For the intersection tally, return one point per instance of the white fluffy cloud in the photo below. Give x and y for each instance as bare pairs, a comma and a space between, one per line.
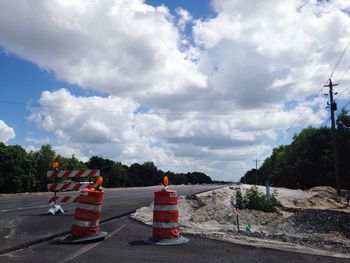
113, 46
6, 133
184, 18
212, 106
114, 127
276, 50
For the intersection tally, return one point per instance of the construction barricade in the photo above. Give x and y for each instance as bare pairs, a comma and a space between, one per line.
67, 186
165, 219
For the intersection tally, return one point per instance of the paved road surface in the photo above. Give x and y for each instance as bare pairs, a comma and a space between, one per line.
124, 243
24, 220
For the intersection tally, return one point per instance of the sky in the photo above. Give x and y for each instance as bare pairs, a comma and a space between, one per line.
191, 85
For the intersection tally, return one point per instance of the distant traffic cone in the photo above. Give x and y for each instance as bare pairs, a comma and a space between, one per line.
165, 216
87, 217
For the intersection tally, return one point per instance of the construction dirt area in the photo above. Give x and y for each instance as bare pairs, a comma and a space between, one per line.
312, 221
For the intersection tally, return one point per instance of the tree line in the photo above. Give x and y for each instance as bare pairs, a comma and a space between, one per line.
22, 171
308, 160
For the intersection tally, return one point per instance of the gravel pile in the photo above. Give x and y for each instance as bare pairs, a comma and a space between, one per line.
315, 221
315, 241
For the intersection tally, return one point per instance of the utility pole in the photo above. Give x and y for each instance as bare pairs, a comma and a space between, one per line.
333, 107
256, 170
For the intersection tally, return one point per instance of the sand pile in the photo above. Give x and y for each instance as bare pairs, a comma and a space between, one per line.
325, 197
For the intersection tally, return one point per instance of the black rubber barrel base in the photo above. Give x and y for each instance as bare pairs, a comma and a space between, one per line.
86, 239
167, 242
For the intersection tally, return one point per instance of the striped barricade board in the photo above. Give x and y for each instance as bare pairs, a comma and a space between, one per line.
72, 173
68, 185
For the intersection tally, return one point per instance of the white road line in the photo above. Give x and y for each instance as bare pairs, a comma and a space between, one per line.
91, 246
22, 208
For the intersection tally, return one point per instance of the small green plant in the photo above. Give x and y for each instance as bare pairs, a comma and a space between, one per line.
256, 200
200, 203
272, 203
239, 198
191, 197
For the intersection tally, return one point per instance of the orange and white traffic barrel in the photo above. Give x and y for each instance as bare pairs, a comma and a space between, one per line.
165, 219
87, 217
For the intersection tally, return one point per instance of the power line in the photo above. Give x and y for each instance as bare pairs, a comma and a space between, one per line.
345, 71
315, 96
340, 58
325, 122
36, 105
306, 107
56, 107
344, 107
341, 92
299, 116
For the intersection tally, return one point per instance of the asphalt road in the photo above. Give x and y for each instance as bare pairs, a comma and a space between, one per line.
125, 243
24, 220
28, 234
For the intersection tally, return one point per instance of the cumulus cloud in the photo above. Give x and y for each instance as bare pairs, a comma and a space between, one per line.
276, 50
212, 105
114, 127
111, 46
6, 133
39, 141
184, 17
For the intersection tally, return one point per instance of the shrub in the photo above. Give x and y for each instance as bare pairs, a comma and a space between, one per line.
239, 198
200, 202
256, 200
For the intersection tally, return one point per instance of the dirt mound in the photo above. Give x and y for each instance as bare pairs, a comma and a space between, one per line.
325, 196
328, 189
225, 215
320, 197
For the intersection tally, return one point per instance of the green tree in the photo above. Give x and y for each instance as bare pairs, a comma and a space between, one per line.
17, 170
44, 158
308, 160
343, 140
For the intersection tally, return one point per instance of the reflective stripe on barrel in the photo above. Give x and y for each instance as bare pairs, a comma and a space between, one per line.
164, 207
86, 223
89, 207
165, 225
